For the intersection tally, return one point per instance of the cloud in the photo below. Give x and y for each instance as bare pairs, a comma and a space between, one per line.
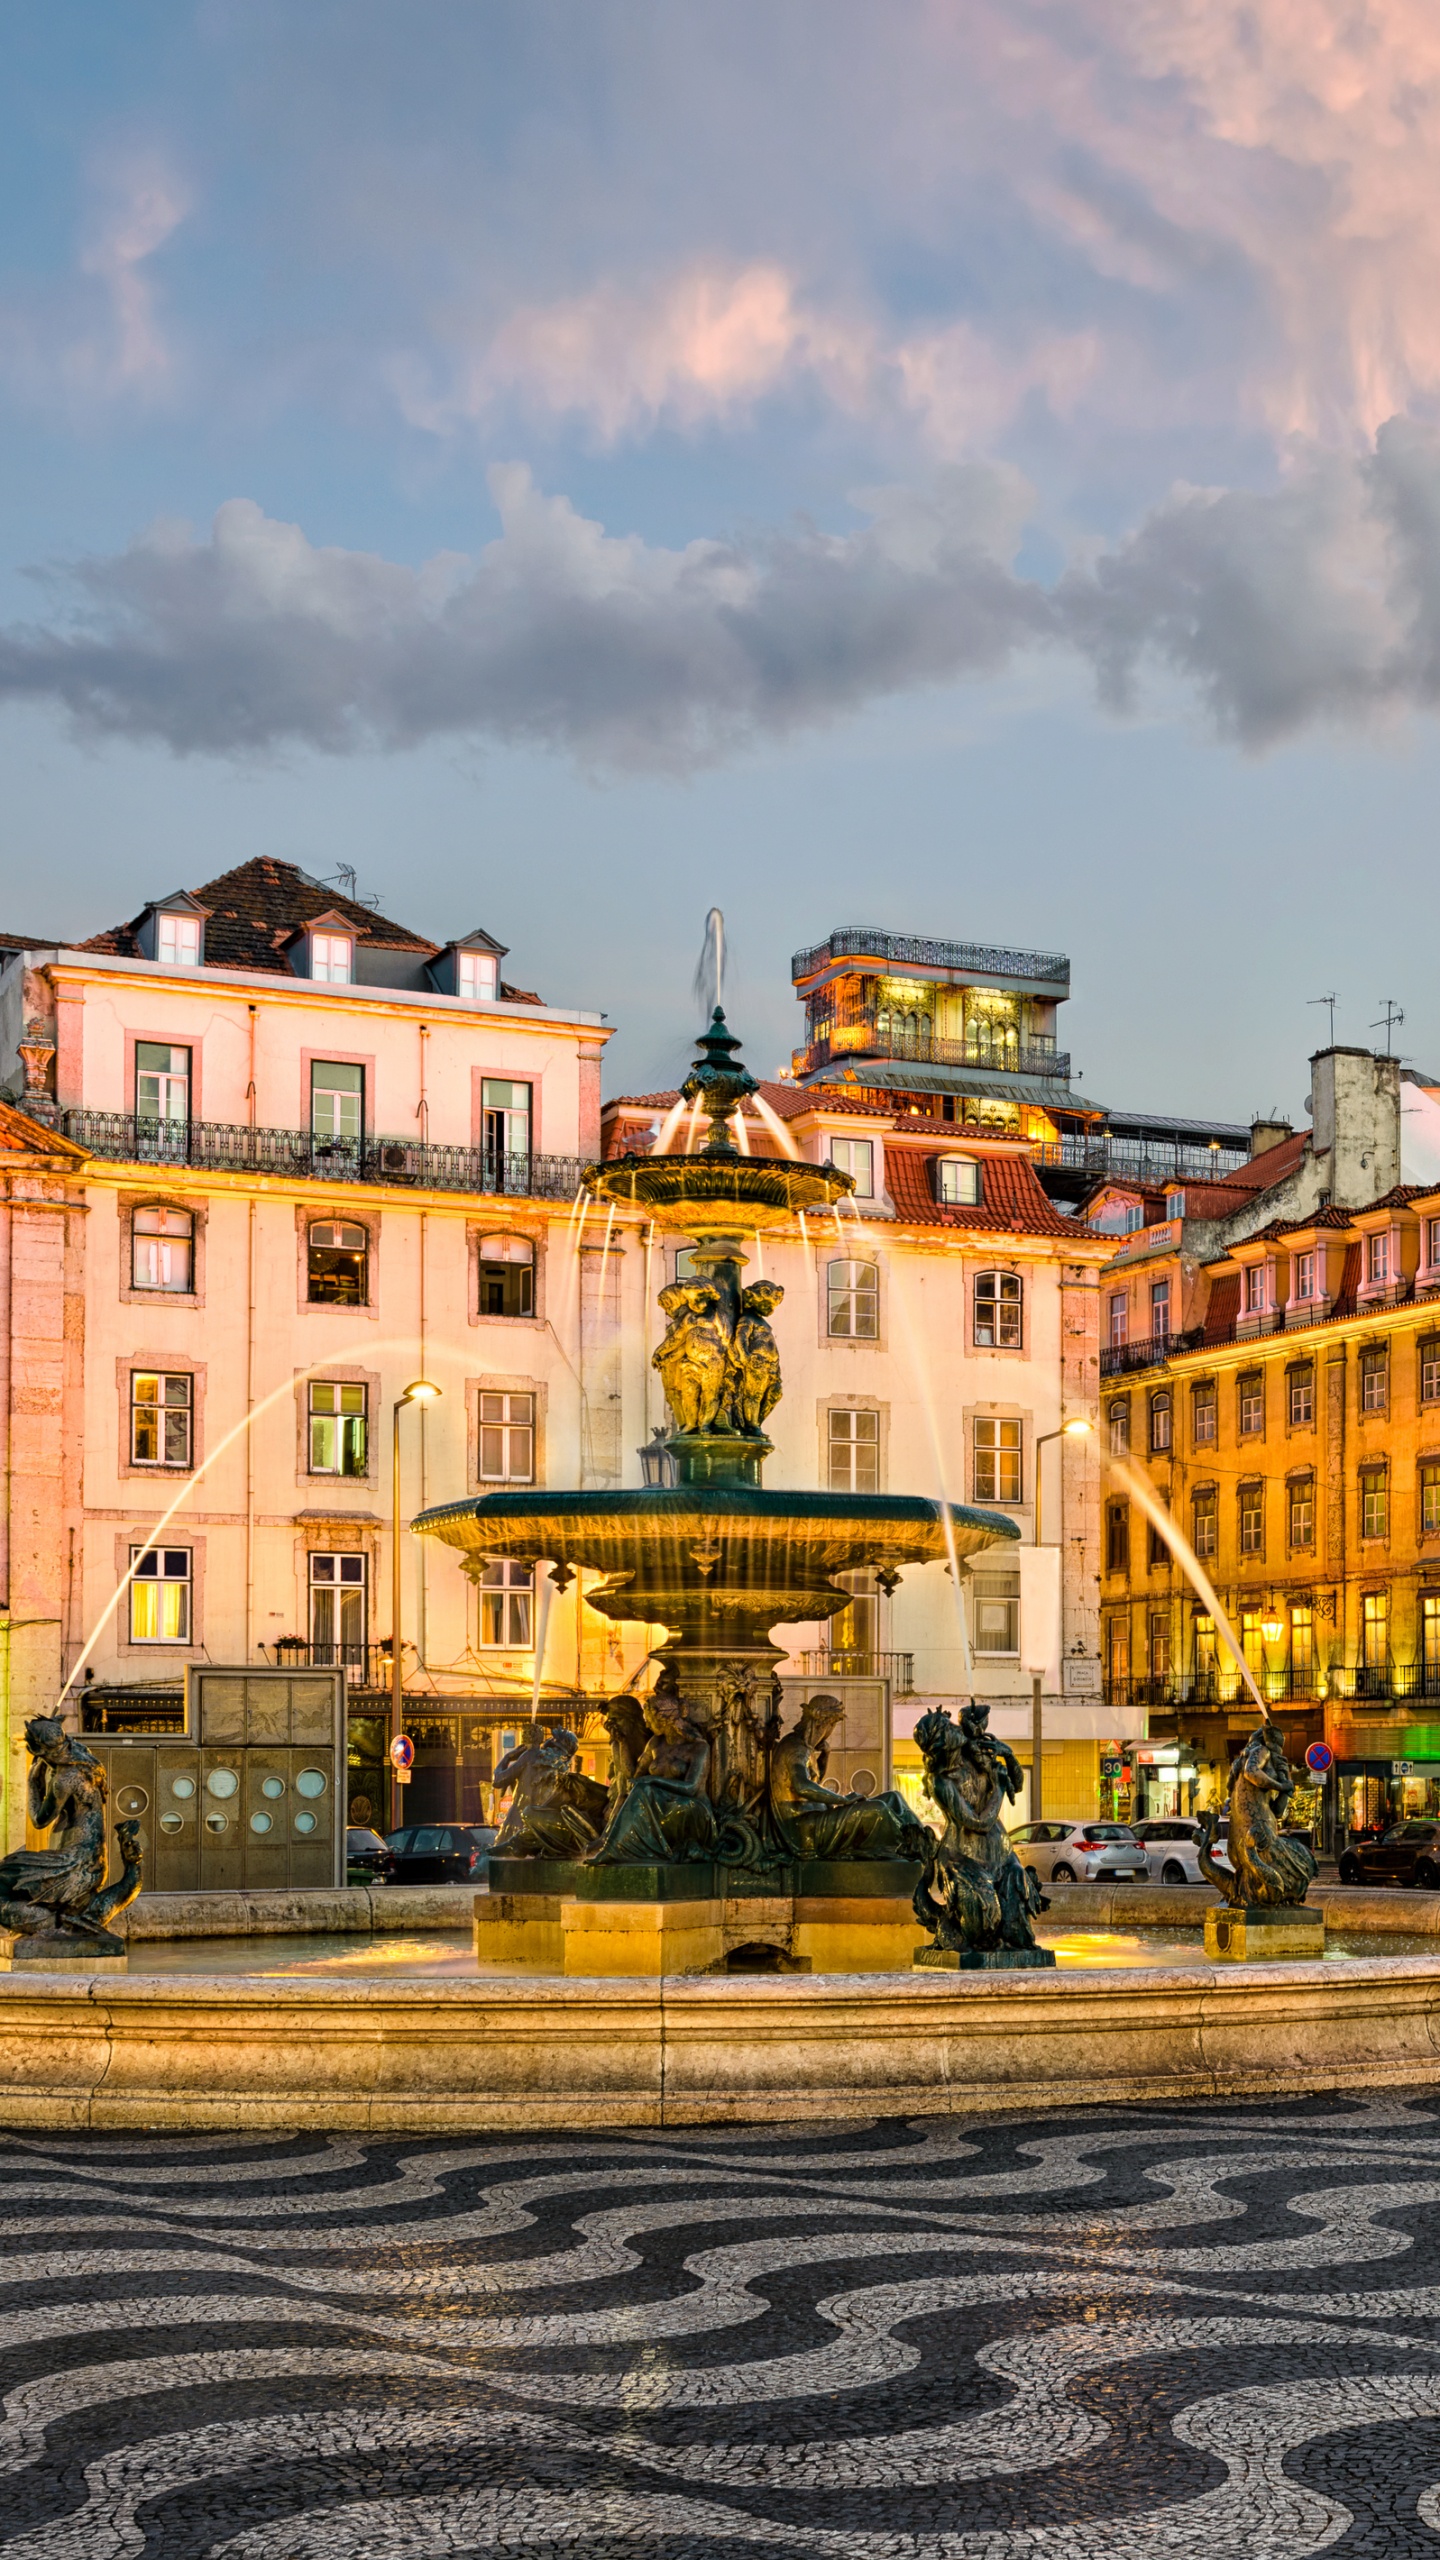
98, 335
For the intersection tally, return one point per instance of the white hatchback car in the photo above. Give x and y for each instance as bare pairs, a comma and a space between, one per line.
1170, 1843
1080, 1852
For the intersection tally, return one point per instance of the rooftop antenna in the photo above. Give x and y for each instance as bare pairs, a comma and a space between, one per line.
1331, 1000
1393, 1015
709, 982
344, 878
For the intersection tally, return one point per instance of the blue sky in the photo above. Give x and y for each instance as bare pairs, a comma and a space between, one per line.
970, 468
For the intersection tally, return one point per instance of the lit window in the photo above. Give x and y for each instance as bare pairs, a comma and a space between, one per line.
505, 1111
160, 1595
338, 1432
337, 1102
1159, 1309
338, 1264
853, 1451
1120, 1427
1251, 1400
1300, 1391
856, 1156
1301, 1509
507, 1439
1377, 1257
1302, 1639
998, 1460
162, 1249
1252, 1519
998, 1310
1374, 1503
507, 1592
1430, 1630
1429, 1497
1375, 1629
996, 1612
339, 1617
160, 1418
1304, 1276
477, 975
1207, 1521
1430, 1370
177, 940
1204, 1414
1374, 1380
1119, 1312
1160, 1419
1254, 1288
853, 1300
330, 959
957, 1182
507, 1276
162, 1083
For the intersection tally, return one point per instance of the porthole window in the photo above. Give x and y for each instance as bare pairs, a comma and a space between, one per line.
311, 1782
261, 1821
272, 1786
305, 1821
217, 1821
222, 1783
132, 1800
182, 1787
172, 1821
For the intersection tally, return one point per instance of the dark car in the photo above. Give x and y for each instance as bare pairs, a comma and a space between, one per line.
441, 1852
367, 1859
1408, 1853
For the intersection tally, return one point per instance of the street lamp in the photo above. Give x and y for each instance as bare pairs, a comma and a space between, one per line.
419, 1391
1078, 1429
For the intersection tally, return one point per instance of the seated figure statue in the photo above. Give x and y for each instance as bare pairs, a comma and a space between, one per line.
816, 1821
555, 1811
666, 1813
975, 1894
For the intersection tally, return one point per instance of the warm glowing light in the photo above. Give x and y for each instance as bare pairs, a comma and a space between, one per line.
1079, 1429
420, 1391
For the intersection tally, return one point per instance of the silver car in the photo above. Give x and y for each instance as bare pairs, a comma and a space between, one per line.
1080, 1852
1171, 1843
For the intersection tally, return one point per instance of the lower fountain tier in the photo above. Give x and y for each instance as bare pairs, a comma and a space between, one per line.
718, 1567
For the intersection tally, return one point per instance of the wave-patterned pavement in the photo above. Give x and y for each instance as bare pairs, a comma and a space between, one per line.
1203, 2334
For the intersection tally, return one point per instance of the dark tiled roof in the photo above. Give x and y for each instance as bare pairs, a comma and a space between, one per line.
1260, 1172
787, 1101
1223, 1307
1322, 1218
254, 909
1400, 1198
1012, 1201
32, 941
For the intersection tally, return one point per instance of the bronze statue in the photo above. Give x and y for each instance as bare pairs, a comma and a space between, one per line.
755, 1360
818, 1822
629, 1733
694, 1358
555, 1812
975, 1896
1267, 1870
666, 1813
59, 1895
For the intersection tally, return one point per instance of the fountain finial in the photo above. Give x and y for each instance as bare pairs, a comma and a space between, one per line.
718, 1081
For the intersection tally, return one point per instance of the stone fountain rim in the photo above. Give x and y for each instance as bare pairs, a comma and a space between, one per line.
706, 1502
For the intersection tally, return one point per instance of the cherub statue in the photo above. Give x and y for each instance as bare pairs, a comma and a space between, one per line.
556, 1812
694, 1358
755, 1359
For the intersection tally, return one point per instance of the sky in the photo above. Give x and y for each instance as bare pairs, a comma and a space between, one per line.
970, 468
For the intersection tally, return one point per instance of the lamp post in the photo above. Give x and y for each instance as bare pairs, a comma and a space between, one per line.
1078, 1429
419, 1391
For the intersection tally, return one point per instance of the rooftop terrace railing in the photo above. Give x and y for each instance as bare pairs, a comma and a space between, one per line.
223, 1147
857, 942
1146, 1160
870, 1036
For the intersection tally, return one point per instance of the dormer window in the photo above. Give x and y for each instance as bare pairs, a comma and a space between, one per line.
177, 941
1377, 1259
1254, 1288
332, 959
957, 1182
477, 975
856, 1156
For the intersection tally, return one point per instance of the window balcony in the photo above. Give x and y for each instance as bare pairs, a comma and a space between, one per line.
223, 1147
876, 1035
366, 1666
1152, 1351
897, 1668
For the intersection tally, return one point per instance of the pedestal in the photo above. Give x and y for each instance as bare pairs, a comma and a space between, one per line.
867, 1933
983, 1960
677, 1936
1239, 1933
56, 1951
519, 1929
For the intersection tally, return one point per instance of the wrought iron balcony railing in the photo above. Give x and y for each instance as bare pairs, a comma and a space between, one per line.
1118, 1359
225, 1147
366, 1666
897, 1668
872, 1036
1149, 1160
908, 950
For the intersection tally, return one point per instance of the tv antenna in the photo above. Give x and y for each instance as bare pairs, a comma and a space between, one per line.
1393, 1015
1331, 1000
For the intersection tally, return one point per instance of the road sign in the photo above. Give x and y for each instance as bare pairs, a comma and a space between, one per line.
1111, 1768
1402, 1768
402, 1751
1319, 1757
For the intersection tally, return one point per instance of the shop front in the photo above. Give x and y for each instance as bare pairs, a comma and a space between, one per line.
458, 1745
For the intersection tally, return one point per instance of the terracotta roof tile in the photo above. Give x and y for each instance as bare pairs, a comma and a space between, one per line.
1012, 1201
1260, 1172
255, 908
1223, 1307
787, 1101
1322, 1218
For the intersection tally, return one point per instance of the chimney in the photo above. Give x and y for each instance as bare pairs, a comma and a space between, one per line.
1355, 1116
1265, 1134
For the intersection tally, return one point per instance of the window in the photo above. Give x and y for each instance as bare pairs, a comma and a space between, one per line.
177, 941
1120, 1427
1174, 1204
1377, 1258
998, 1307
507, 1438
331, 959
1302, 1639
1117, 1654
996, 1612
1206, 1536
1300, 1395
1430, 1370
1303, 1276
477, 975
507, 1276
1134, 1217
161, 1405
854, 1630
1160, 1419
853, 1451
507, 1592
1429, 1489
853, 1299
1300, 1511
160, 1595
339, 1435
1203, 1414
1250, 1398
1158, 1550
1119, 1319
339, 1617
162, 1083
1252, 1640
1159, 1309
1254, 1283
957, 1182
162, 1249
1374, 1502
1204, 1652
1374, 1380
1159, 1647
1117, 1537
337, 1103
338, 1264
505, 1115
856, 1156
1252, 1519
1375, 1629
1430, 1629
997, 1460
1432, 1242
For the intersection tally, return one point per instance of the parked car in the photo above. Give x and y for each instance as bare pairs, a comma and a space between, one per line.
367, 1859
1408, 1853
1080, 1852
1171, 1842
441, 1852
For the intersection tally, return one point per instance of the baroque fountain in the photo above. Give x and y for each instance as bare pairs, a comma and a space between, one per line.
716, 1835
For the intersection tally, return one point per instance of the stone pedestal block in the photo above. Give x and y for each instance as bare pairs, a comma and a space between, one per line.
984, 1960
56, 1951
866, 1933
520, 1929
1237, 1934
645, 1938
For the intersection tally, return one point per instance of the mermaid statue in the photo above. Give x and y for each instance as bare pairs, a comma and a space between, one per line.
58, 1898
1266, 1870
975, 1896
